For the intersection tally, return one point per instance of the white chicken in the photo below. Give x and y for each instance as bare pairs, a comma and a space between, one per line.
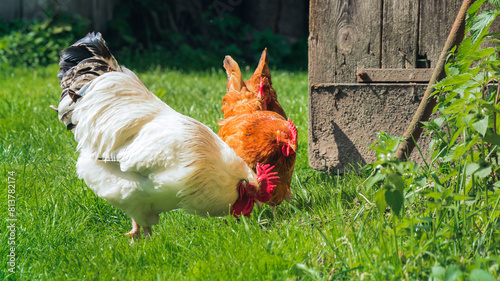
142, 156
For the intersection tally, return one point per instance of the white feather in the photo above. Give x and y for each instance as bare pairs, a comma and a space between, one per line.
161, 160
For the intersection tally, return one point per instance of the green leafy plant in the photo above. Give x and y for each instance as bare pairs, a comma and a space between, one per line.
455, 193
390, 171
33, 43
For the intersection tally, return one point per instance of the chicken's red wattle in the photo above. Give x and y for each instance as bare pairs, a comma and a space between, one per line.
244, 204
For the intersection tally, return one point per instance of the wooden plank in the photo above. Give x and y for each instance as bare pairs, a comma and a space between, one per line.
399, 34
345, 118
10, 10
102, 12
436, 20
286, 18
393, 75
35, 10
344, 35
99, 12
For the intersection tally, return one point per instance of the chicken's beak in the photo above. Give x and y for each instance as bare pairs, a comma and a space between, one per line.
293, 146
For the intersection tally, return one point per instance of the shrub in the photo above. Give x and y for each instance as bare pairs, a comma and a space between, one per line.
33, 44
451, 204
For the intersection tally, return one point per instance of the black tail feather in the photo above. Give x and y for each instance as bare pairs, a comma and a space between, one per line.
70, 58
83, 61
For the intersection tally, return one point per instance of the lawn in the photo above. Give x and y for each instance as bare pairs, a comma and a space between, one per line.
329, 231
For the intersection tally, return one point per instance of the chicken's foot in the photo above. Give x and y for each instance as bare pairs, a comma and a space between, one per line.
135, 232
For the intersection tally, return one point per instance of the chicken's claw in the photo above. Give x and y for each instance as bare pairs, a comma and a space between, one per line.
135, 232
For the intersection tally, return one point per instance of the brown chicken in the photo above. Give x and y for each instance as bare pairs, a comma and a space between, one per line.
255, 94
261, 82
257, 134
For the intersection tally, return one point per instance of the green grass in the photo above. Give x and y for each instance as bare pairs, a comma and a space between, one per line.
65, 232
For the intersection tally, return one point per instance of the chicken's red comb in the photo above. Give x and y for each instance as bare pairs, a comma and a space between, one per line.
261, 93
267, 181
261, 87
293, 131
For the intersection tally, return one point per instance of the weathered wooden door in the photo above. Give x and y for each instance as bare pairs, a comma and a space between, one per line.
369, 61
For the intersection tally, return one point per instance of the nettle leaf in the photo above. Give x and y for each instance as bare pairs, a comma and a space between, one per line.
468, 185
491, 107
455, 136
480, 274
449, 175
380, 200
449, 155
433, 194
373, 180
472, 142
420, 181
456, 110
459, 197
451, 96
447, 193
492, 138
452, 69
438, 273
471, 168
481, 125
439, 121
480, 24
495, 3
483, 53
463, 49
453, 80
452, 273
460, 150
432, 205
475, 71
435, 176
468, 118
475, 7
396, 180
399, 166
394, 198
484, 170
497, 185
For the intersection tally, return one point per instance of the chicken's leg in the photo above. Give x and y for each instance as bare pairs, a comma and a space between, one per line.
135, 232
147, 231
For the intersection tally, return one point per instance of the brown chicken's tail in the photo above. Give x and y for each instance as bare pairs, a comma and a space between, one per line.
82, 62
261, 81
234, 80
262, 71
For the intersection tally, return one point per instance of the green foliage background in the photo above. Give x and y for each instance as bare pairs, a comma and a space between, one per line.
145, 33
